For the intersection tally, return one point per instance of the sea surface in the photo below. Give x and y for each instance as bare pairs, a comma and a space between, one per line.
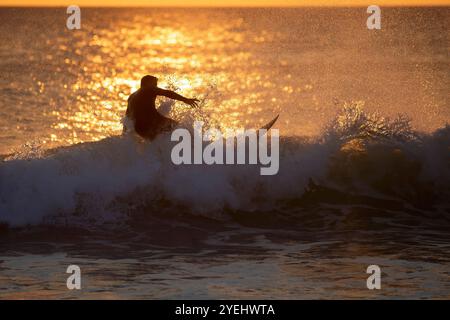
364, 173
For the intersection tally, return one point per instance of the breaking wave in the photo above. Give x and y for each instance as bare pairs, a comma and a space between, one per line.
358, 156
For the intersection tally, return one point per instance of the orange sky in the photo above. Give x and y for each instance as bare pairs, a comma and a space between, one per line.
223, 3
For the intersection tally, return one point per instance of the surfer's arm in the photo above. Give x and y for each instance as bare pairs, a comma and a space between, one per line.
173, 95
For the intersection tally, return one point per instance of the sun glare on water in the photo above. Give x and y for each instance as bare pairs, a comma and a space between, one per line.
190, 61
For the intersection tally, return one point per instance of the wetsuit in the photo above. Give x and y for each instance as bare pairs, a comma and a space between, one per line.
148, 123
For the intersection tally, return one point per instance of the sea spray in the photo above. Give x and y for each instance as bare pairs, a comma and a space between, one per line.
120, 176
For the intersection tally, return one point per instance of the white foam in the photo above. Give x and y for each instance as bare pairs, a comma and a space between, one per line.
88, 179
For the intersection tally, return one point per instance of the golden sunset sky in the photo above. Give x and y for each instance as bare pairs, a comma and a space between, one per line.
223, 3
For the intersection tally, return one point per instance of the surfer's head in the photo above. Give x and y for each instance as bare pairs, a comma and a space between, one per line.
149, 81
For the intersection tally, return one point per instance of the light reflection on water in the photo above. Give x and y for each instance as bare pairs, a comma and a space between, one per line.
258, 269
164, 257
191, 56
67, 86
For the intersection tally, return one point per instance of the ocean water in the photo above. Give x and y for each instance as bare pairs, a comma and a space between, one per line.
364, 154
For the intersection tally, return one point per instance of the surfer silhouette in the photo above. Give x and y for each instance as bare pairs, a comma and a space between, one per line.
148, 122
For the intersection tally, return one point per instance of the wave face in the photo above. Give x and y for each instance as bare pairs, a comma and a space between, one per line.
359, 158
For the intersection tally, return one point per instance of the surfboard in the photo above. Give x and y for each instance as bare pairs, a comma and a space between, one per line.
269, 125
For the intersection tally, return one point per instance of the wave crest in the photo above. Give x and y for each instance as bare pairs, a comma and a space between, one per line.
109, 180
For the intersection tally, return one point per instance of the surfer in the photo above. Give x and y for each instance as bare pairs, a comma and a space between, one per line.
148, 122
